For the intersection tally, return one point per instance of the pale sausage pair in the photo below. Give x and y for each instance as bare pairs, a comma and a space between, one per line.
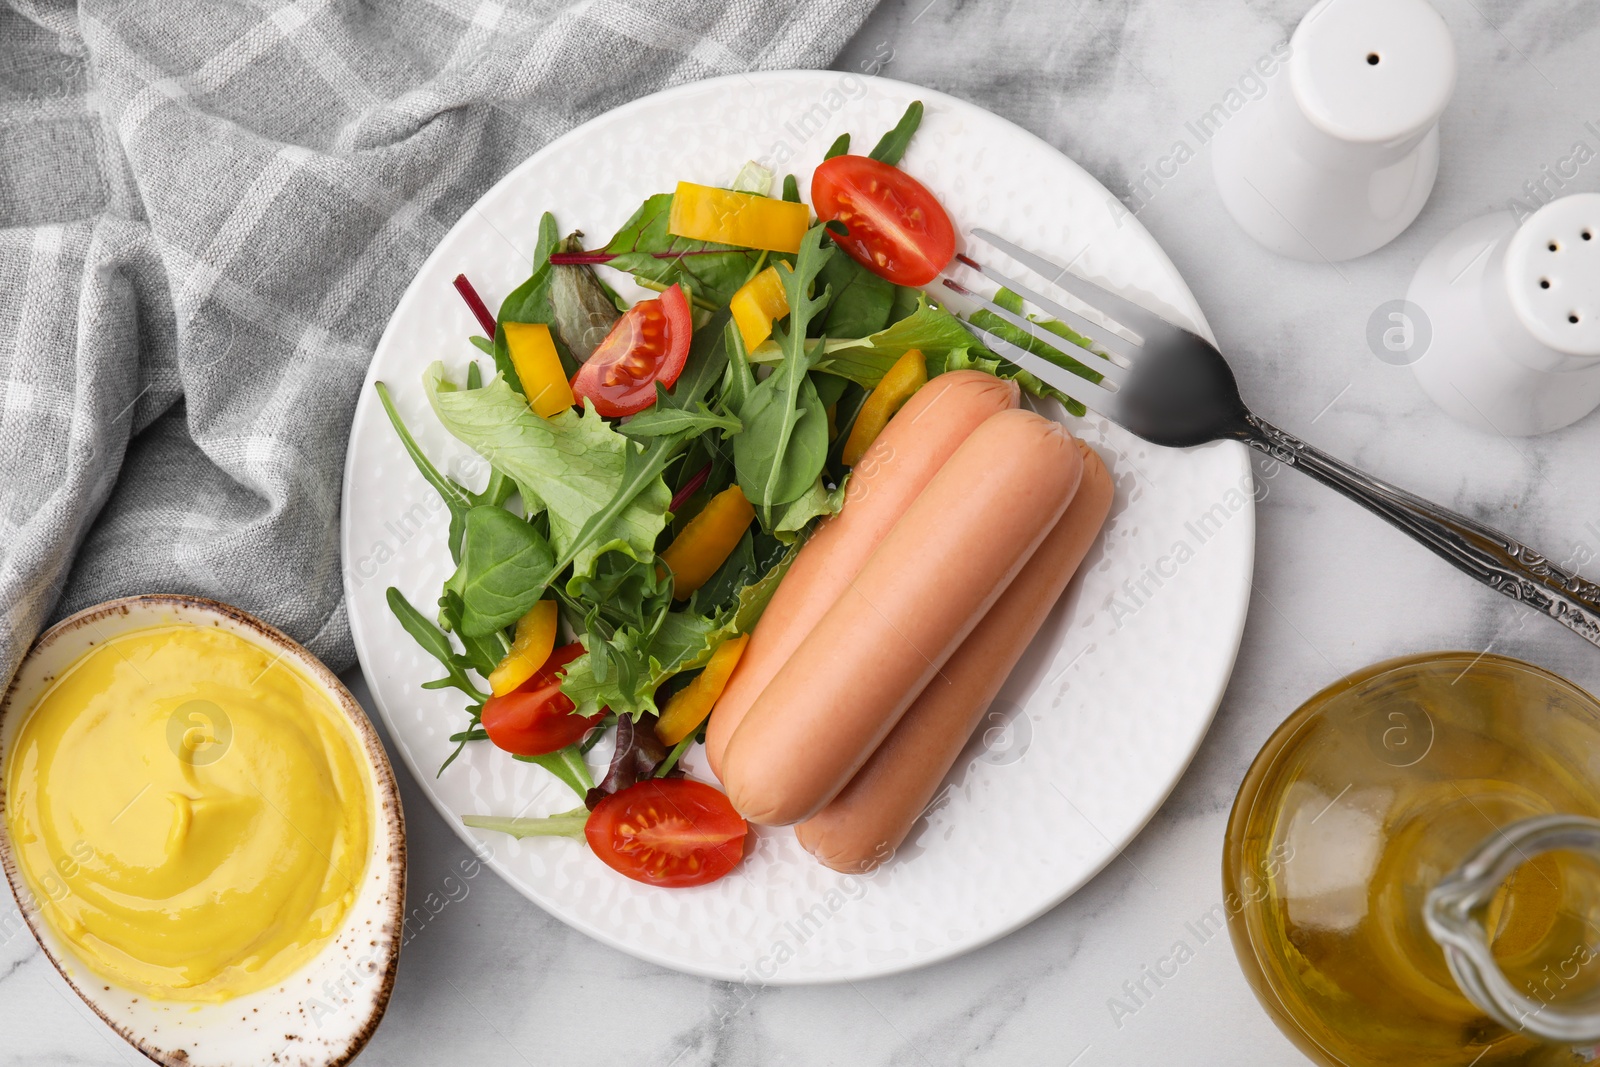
869, 669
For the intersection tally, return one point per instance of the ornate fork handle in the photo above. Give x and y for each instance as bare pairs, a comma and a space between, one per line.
1495, 559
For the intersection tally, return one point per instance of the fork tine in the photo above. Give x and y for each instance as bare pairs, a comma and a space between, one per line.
1141, 320
1104, 367
1094, 397
1097, 332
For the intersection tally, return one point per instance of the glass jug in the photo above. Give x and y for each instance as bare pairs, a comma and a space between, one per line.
1412, 868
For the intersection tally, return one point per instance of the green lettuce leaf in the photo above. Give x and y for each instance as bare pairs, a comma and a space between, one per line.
568, 466
626, 671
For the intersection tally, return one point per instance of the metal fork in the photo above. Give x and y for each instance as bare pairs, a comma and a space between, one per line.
1173, 387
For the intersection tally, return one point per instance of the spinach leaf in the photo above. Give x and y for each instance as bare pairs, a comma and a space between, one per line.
861, 303
892, 147
504, 565
830, 387
712, 272
785, 438
906, 301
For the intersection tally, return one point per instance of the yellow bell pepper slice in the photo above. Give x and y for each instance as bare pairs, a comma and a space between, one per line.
535, 638
909, 373
708, 539
690, 705
758, 303
724, 217
533, 354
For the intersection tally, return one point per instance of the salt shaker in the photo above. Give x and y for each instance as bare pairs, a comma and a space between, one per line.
1339, 156
1513, 310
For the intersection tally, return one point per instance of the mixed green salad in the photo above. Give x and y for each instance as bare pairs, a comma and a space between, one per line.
654, 468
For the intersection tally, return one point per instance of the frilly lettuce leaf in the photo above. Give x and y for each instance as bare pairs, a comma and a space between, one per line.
568, 466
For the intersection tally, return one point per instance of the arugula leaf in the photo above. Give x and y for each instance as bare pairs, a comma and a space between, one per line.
865, 360
569, 466
436, 644
661, 421
480, 652
504, 565
839, 147
791, 189
457, 499
566, 764
704, 367
893, 146
861, 303
712, 272
737, 571
740, 381
785, 438
530, 302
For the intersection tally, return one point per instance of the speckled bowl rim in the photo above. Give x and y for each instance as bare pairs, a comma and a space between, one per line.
377, 760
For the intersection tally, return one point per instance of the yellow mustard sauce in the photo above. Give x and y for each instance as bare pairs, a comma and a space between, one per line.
192, 814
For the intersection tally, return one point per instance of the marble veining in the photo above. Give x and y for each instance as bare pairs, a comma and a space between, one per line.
488, 978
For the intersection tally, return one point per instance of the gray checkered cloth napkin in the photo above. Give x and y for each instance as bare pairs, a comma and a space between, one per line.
207, 212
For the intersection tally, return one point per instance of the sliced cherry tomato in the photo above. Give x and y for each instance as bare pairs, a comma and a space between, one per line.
667, 832
536, 717
897, 229
647, 345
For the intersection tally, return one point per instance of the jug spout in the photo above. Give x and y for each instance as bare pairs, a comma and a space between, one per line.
1458, 909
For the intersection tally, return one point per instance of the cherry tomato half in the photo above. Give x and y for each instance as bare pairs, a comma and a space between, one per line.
647, 345
536, 717
668, 832
897, 229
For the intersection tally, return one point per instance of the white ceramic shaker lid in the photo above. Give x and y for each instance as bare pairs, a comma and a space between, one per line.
1373, 71
1552, 271
1340, 155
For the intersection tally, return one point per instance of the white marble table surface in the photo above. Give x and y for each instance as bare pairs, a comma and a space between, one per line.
491, 979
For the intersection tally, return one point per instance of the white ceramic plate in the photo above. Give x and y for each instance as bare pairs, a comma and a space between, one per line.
1101, 716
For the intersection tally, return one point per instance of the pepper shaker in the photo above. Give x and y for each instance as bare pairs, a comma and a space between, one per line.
1513, 310
1340, 155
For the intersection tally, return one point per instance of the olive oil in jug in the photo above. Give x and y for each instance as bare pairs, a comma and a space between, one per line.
1413, 868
